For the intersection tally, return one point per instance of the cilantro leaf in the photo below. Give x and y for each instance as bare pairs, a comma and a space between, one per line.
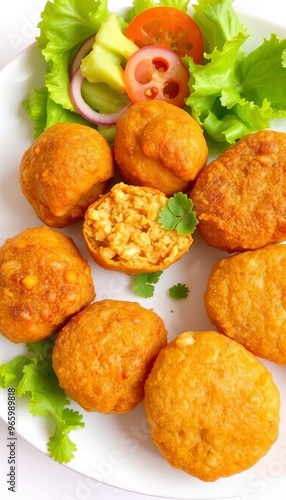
179, 291
167, 219
143, 284
35, 377
178, 214
180, 204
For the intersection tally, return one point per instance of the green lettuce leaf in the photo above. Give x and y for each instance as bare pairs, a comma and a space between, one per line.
65, 25
263, 74
208, 81
244, 118
233, 94
36, 107
60, 446
140, 5
44, 112
218, 22
33, 375
11, 373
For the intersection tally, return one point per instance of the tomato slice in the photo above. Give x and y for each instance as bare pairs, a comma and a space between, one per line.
156, 73
167, 27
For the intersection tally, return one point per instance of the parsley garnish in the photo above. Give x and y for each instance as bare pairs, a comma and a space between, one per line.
34, 376
143, 284
178, 214
179, 291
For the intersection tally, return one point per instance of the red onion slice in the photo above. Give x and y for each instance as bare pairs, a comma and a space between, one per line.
85, 110
81, 53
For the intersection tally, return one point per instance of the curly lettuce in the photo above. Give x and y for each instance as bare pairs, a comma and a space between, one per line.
65, 25
140, 5
32, 375
44, 112
233, 94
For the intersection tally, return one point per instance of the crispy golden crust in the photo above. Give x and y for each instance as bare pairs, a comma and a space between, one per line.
64, 171
102, 357
43, 281
240, 198
246, 300
159, 145
213, 407
122, 231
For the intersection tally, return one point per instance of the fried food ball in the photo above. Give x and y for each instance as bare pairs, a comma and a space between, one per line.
239, 198
159, 145
122, 231
246, 300
213, 407
64, 171
43, 281
102, 357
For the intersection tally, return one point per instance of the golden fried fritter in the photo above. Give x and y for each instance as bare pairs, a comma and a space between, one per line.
43, 281
102, 357
246, 300
239, 198
159, 145
212, 406
64, 171
122, 231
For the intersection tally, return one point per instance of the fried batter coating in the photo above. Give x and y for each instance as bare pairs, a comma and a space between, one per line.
43, 281
103, 356
64, 171
122, 231
212, 406
239, 198
246, 300
159, 145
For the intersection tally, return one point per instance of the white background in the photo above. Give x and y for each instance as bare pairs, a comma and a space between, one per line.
38, 477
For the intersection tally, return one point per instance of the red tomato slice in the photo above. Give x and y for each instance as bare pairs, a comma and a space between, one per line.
167, 27
156, 73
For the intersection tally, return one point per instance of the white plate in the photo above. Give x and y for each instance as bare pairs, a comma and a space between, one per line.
117, 450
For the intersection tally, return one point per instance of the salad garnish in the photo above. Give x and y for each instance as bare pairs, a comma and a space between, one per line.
179, 291
109, 51
167, 27
33, 375
98, 64
231, 93
178, 214
156, 73
144, 284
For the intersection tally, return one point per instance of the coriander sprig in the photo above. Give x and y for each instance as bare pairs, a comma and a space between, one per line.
143, 284
179, 291
178, 214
